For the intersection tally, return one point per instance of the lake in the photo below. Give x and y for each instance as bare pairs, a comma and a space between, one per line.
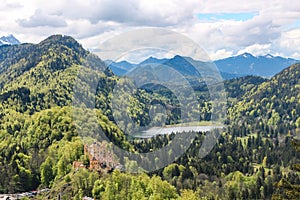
174, 129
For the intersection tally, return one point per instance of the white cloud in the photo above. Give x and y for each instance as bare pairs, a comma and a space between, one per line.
259, 35
5, 5
41, 19
219, 54
256, 49
92, 21
129, 12
289, 43
231, 6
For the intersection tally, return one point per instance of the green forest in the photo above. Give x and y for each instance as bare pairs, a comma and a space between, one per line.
257, 154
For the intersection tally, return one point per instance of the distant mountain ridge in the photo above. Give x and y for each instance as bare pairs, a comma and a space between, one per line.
247, 64
231, 67
184, 65
119, 68
9, 40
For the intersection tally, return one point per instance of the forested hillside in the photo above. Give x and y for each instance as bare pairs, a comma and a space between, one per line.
36, 119
40, 139
274, 103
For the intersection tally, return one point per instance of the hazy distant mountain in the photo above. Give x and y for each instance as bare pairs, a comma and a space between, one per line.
119, 68
184, 65
154, 60
248, 64
9, 40
232, 67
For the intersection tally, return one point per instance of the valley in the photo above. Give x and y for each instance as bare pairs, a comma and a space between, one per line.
49, 111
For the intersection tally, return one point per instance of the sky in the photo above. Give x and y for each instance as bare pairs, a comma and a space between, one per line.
222, 28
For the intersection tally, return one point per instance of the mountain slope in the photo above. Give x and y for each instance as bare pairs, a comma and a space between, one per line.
237, 87
36, 113
46, 72
274, 102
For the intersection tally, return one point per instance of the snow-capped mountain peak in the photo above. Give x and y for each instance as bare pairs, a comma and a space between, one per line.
9, 40
247, 55
269, 56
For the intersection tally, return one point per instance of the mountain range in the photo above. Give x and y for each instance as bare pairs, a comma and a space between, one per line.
231, 67
9, 40
40, 137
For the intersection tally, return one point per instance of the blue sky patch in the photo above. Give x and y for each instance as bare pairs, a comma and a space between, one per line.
227, 16
295, 24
